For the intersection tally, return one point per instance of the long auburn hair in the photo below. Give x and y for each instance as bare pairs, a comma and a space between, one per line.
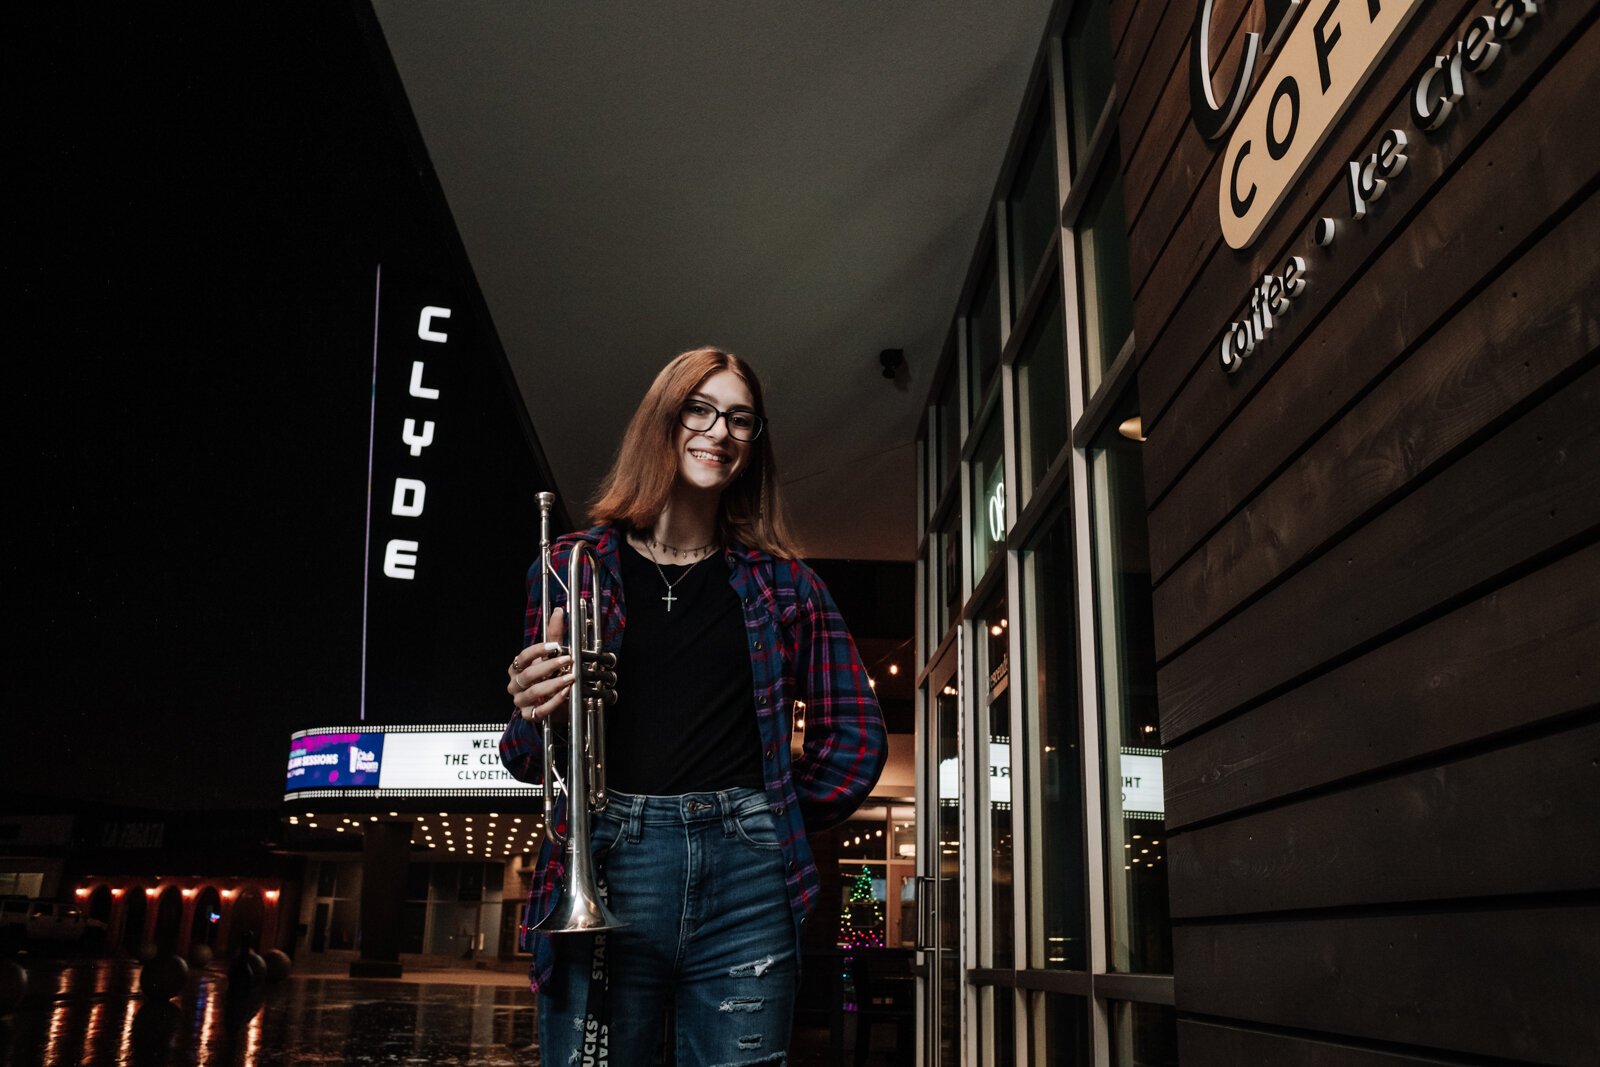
636, 489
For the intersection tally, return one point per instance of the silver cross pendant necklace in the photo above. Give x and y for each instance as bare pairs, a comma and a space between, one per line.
670, 598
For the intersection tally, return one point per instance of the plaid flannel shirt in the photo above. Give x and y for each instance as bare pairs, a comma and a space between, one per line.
799, 649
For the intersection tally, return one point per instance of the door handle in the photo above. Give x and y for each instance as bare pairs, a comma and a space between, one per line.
926, 889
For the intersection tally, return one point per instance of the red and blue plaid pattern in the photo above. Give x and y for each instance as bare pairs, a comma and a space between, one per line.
799, 649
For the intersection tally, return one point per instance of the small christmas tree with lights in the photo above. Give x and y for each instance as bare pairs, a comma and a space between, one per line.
861, 923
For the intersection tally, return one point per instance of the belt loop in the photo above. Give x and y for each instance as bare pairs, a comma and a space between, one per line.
635, 818
729, 822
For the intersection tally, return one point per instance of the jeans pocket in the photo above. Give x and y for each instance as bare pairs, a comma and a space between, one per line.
605, 834
758, 829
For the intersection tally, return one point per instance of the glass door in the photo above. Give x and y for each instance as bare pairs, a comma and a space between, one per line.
942, 866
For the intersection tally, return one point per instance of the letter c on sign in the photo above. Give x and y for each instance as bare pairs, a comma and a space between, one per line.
425, 328
1213, 119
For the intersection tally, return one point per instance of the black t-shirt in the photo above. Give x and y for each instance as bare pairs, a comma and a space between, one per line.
685, 721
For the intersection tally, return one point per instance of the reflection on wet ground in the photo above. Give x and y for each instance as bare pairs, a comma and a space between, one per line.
91, 1013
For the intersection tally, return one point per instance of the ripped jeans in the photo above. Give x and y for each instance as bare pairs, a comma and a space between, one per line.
699, 879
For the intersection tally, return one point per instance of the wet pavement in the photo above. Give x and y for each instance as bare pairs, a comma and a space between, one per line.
90, 1013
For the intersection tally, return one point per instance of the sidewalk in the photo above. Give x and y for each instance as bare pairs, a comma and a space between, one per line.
90, 1014
439, 1014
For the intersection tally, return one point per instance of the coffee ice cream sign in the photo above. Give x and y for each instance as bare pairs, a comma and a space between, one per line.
1324, 52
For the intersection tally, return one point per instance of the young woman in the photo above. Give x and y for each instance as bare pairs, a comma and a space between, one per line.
718, 630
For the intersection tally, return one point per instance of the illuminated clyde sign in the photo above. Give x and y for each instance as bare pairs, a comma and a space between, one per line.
411, 494
399, 761
1326, 50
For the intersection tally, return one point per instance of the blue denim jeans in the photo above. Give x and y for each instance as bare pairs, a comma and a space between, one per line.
710, 940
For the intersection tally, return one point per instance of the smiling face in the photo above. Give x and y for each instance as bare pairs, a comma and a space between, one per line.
709, 460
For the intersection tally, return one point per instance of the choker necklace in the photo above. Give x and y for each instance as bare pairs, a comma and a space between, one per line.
677, 552
669, 598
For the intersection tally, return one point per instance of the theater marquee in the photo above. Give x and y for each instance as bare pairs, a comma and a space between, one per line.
399, 761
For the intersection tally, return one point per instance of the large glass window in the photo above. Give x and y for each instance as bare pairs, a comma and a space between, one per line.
1105, 295
1003, 1015
1042, 396
903, 875
1033, 210
983, 336
1088, 61
945, 868
948, 417
994, 666
988, 500
947, 561
1056, 802
1066, 1031
1141, 938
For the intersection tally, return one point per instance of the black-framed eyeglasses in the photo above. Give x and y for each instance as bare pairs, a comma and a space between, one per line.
699, 416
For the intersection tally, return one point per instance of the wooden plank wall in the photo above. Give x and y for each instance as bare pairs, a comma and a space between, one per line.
1376, 562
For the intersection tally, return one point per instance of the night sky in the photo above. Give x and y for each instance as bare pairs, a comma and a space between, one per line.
201, 200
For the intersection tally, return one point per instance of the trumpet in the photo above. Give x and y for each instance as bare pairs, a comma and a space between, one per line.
594, 685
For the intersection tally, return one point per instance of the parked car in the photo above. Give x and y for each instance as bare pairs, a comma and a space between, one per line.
48, 922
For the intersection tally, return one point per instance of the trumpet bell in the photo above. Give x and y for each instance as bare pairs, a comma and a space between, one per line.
580, 910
